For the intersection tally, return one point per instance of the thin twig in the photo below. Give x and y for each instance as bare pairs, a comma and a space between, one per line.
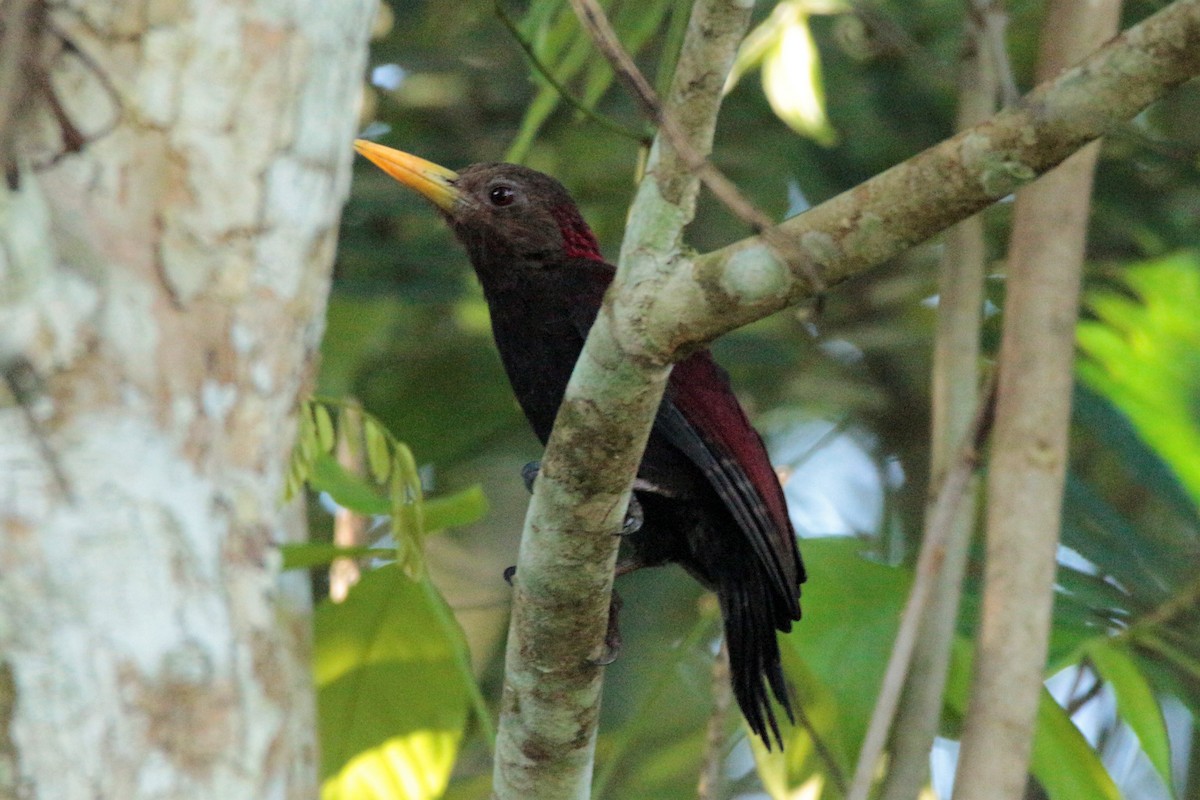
954, 391
833, 769
594, 20
709, 787
991, 21
929, 562
563, 92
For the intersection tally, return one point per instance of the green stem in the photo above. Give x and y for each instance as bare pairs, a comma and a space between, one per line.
563, 92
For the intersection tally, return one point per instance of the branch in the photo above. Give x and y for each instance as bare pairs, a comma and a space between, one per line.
1029, 454
916, 199
545, 747
691, 160
940, 524
664, 302
984, 69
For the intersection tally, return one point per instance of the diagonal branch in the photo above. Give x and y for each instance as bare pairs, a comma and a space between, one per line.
563, 92
592, 17
916, 199
665, 301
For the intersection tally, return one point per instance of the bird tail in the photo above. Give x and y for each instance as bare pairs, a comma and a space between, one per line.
751, 620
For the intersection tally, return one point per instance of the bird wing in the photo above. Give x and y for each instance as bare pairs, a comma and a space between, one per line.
701, 416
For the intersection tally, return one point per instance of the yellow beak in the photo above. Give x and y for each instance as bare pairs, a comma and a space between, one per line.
431, 180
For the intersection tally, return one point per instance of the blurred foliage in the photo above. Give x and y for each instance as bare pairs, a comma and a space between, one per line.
408, 337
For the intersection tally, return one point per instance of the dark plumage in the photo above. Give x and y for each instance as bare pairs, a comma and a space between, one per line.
710, 499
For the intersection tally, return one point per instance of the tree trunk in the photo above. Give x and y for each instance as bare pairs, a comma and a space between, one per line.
161, 302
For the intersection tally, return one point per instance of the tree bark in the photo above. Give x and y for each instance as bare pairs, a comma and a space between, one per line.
161, 302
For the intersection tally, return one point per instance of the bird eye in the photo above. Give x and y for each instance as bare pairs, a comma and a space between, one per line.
502, 195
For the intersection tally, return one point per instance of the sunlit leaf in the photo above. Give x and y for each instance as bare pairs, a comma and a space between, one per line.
791, 67
1063, 762
391, 703
324, 425
1136, 703
1144, 354
791, 75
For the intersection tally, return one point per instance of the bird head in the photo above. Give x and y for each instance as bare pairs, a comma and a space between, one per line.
504, 214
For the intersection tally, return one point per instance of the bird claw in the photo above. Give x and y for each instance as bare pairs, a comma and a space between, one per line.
509, 572
633, 515
529, 474
612, 637
633, 518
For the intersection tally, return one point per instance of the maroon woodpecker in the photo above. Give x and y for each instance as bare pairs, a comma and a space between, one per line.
709, 499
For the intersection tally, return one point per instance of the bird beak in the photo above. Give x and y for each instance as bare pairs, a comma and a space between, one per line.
431, 180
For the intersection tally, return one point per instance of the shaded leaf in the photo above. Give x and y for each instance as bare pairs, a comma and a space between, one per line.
837, 654
1136, 703
319, 554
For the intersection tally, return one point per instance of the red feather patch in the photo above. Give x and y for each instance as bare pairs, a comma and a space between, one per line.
578, 239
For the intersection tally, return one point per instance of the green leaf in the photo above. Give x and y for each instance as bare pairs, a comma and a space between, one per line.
379, 457
464, 507
1063, 762
1144, 354
1136, 703
324, 423
391, 705
318, 554
347, 489
836, 657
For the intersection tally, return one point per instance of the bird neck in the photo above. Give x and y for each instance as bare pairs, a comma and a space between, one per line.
578, 239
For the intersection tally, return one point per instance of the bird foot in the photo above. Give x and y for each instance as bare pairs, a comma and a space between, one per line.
633, 518
529, 474
509, 572
633, 515
612, 637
